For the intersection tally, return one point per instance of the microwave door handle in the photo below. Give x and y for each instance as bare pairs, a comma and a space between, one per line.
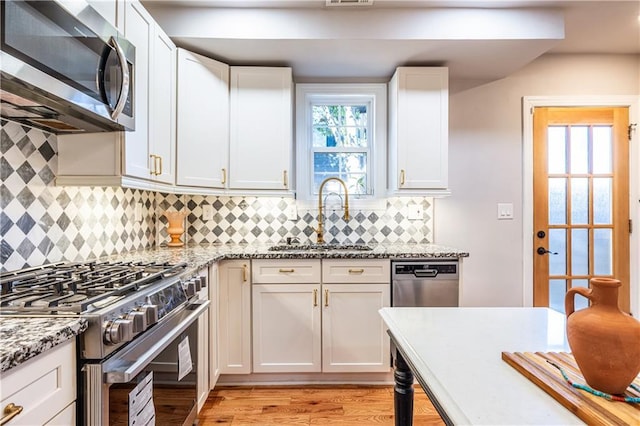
124, 88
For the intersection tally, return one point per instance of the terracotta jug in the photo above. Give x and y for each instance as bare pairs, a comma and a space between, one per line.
175, 227
605, 341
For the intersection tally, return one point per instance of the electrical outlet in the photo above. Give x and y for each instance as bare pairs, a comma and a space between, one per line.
138, 212
505, 211
416, 212
207, 212
292, 212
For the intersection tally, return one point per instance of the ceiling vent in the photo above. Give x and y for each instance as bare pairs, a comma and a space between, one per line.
331, 3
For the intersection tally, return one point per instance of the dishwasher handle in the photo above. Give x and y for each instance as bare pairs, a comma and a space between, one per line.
425, 273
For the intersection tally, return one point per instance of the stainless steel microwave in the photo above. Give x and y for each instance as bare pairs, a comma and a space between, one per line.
64, 68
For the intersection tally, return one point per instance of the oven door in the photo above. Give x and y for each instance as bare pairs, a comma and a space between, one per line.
154, 377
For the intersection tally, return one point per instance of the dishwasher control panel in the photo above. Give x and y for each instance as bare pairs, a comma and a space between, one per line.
439, 268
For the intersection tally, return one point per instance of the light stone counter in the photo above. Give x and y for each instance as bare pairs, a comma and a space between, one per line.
455, 353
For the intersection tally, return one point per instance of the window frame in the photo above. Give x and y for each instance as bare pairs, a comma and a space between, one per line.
372, 94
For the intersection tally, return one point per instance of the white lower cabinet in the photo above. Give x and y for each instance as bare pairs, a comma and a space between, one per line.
214, 321
312, 321
202, 385
44, 386
234, 338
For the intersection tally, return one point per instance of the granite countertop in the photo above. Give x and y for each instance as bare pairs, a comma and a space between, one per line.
24, 338
197, 256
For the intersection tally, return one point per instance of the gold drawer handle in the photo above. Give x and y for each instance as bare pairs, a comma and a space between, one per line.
356, 271
326, 298
9, 412
244, 273
315, 297
286, 271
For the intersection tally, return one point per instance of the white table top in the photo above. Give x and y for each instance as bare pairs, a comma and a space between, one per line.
456, 353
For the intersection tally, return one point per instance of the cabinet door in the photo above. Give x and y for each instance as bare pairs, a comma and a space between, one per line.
354, 337
202, 386
203, 121
214, 297
261, 128
235, 317
162, 105
138, 29
418, 128
286, 328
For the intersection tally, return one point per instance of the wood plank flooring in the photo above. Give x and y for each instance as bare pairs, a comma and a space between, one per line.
310, 405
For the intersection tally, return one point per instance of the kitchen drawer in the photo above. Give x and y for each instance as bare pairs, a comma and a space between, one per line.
356, 271
44, 386
286, 271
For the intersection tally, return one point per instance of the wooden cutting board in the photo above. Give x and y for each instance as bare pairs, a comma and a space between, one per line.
592, 409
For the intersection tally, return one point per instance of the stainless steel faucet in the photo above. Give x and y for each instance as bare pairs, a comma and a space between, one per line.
320, 230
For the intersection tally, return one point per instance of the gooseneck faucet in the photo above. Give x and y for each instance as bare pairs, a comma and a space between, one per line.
320, 229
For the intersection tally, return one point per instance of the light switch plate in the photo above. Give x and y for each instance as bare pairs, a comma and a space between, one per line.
207, 212
505, 211
138, 212
292, 212
416, 212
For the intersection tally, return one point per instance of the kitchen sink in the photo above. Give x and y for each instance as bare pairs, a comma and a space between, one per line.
320, 247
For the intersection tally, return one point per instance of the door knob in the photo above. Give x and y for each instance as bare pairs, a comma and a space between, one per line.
542, 250
541, 234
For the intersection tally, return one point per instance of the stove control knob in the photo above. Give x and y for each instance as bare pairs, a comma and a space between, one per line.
139, 320
190, 288
120, 330
203, 282
151, 313
198, 283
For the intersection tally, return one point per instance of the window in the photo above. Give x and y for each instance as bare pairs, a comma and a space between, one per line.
341, 133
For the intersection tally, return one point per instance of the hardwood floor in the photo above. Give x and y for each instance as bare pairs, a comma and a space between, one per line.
310, 405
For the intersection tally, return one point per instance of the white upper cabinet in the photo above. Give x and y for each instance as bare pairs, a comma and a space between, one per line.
261, 128
418, 130
203, 121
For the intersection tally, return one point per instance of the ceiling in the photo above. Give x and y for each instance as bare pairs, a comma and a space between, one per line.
479, 41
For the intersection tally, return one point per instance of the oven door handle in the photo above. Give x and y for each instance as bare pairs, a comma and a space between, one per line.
124, 368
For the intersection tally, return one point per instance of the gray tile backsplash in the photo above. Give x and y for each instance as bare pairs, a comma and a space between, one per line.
43, 223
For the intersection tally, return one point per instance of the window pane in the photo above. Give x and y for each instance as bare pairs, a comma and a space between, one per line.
579, 251
339, 125
602, 252
558, 244
556, 149
602, 149
580, 201
557, 201
602, 201
557, 290
350, 167
579, 149
340, 137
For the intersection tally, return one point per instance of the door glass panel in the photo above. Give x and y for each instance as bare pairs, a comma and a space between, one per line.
558, 244
579, 251
602, 152
579, 201
579, 301
557, 201
557, 290
557, 148
579, 149
602, 201
602, 252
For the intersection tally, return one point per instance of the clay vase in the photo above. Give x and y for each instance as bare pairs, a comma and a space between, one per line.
176, 227
605, 341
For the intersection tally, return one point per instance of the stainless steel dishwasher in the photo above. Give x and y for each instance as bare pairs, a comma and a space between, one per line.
424, 282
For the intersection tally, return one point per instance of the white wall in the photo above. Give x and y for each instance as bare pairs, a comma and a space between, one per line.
485, 166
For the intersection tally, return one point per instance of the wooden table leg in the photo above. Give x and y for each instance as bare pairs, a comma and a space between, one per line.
403, 392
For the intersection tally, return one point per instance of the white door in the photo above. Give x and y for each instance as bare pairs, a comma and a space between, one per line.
235, 317
354, 337
286, 328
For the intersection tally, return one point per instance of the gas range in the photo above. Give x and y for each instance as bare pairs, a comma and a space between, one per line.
120, 300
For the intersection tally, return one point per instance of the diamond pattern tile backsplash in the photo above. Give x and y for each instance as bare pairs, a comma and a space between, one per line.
42, 223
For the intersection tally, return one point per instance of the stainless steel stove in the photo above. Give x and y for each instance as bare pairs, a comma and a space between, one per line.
138, 313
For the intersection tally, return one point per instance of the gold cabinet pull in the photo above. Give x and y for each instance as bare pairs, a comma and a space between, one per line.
356, 271
159, 170
285, 178
286, 271
224, 177
326, 298
245, 273
153, 165
401, 177
9, 412
315, 297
